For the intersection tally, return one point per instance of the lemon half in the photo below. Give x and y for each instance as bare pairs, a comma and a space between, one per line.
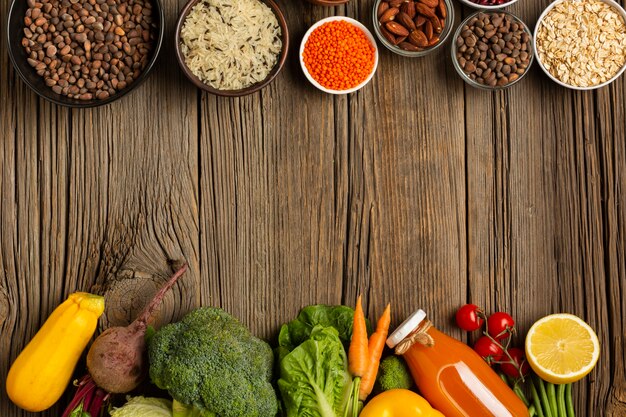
562, 348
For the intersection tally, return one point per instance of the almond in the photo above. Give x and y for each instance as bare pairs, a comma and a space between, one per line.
409, 8
388, 35
396, 29
424, 10
428, 29
405, 21
419, 20
418, 38
395, 3
408, 47
389, 15
430, 3
437, 28
400, 39
433, 41
383, 6
441, 7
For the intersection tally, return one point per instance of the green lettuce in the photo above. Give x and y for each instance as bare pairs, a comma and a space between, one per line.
144, 407
314, 378
297, 331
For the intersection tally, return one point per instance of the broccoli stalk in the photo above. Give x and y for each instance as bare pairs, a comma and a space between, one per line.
212, 366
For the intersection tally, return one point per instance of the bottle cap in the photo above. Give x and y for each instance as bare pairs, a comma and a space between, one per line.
406, 328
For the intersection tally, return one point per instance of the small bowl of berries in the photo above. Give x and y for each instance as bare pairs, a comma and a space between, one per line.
488, 4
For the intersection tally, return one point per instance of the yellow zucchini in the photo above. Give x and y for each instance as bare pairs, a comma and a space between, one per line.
42, 371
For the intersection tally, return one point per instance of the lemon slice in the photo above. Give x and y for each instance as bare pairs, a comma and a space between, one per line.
562, 348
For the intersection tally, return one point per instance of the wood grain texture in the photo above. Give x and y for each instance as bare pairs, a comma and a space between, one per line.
418, 190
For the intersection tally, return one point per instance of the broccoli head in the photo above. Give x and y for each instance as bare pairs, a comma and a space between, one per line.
393, 373
211, 362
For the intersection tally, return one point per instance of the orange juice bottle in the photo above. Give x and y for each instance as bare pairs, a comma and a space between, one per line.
450, 375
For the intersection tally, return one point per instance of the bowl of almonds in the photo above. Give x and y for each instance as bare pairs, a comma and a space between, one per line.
84, 53
413, 28
582, 44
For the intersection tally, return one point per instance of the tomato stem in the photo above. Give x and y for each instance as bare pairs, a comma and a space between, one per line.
505, 349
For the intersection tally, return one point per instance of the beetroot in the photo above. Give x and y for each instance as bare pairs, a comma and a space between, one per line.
116, 360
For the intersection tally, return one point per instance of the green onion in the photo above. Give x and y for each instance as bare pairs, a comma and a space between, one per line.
560, 389
568, 401
536, 400
552, 398
547, 410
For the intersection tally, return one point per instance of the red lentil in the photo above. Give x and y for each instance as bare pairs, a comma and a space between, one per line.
339, 55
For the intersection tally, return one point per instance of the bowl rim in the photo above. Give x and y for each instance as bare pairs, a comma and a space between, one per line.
613, 3
447, 31
63, 100
460, 71
358, 24
482, 7
328, 3
182, 16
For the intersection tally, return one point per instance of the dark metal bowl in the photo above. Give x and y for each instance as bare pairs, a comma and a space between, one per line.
15, 32
244, 91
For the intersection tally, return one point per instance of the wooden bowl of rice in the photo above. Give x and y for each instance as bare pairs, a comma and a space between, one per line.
231, 48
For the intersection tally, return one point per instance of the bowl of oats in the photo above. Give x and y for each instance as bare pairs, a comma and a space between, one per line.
231, 47
581, 44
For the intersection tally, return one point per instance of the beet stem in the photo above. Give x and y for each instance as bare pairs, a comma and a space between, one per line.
85, 388
97, 400
142, 320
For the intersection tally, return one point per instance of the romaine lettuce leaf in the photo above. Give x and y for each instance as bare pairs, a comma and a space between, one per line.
299, 330
314, 379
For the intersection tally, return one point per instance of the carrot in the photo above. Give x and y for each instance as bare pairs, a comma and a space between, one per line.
375, 348
358, 351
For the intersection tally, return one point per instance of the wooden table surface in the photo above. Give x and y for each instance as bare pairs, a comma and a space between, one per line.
418, 190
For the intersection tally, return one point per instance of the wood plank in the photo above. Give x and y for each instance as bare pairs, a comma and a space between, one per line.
417, 190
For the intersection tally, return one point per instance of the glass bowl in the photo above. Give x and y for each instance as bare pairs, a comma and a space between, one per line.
470, 3
443, 37
616, 6
465, 76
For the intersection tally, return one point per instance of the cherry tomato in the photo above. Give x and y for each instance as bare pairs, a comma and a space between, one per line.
468, 317
488, 349
520, 359
500, 325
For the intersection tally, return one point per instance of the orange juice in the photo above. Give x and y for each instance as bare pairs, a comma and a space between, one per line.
450, 375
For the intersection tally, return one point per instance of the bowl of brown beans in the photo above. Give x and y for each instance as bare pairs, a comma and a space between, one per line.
413, 28
492, 50
84, 53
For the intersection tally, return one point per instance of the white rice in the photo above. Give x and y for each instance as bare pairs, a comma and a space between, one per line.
231, 44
